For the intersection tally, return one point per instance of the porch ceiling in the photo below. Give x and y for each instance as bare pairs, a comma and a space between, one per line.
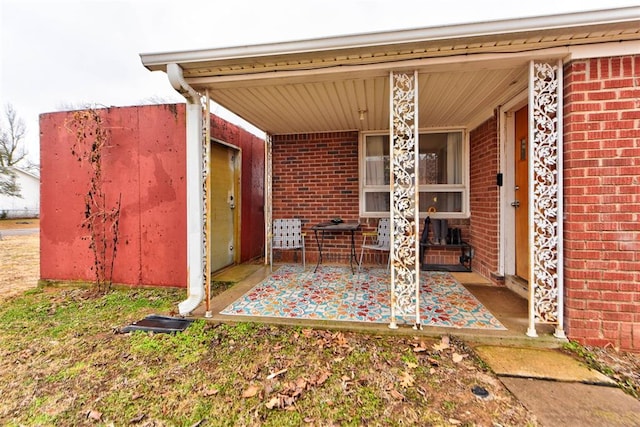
465, 71
447, 99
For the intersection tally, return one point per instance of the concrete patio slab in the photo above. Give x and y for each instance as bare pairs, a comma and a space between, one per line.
539, 363
236, 273
575, 404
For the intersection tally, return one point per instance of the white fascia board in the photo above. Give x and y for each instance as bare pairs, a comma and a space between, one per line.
631, 47
507, 26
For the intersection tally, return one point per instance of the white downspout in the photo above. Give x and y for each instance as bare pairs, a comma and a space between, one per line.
195, 223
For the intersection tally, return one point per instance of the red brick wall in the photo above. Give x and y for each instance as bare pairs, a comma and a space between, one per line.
602, 201
145, 161
315, 178
484, 196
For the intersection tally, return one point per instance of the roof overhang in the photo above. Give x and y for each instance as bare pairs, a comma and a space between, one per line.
323, 84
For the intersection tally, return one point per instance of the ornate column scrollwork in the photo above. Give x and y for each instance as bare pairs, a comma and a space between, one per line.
206, 209
404, 197
268, 194
545, 209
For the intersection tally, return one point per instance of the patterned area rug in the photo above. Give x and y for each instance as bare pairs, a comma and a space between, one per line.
333, 293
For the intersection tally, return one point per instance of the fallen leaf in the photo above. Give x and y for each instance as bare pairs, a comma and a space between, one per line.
274, 402
301, 383
440, 346
420, 347
211, 392
324, 376
251, 391
407, 379
457, 358
411, 365
396, 394
443, 345
340, 339
94, 415
454, 422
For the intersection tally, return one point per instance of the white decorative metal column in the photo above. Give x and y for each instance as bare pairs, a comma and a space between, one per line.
268, 174
205, 102
403, 151
545, 190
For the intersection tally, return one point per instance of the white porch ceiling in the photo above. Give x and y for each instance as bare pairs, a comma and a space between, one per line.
447, 99
465, 71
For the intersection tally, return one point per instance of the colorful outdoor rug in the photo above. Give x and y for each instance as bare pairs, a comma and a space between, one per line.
333, 293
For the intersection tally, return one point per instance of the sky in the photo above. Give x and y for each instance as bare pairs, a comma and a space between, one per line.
56, 55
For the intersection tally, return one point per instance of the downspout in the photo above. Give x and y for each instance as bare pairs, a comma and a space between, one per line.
195, 223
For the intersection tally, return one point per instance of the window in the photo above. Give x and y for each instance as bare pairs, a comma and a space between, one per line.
442, 175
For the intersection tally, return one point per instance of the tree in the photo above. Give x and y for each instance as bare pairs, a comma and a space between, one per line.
12, 150
8, 184
12, 136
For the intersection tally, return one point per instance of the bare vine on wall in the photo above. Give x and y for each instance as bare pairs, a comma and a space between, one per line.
101, 221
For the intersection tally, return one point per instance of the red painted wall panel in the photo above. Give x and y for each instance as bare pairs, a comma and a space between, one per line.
251, 187
145, 163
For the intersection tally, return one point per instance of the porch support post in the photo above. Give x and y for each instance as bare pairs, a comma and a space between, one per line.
268, 206
405, 267
206, 208
545, 206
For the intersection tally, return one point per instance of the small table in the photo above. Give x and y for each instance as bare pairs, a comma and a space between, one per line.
330, 227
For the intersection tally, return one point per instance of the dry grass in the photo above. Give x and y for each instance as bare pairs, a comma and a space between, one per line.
20, 261
6, 224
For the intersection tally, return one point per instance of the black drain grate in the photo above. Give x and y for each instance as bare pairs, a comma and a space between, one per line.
158, 324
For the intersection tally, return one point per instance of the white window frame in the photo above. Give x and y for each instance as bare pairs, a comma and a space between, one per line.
433, 188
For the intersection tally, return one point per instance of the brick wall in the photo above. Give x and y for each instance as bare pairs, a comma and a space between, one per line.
602, 201
315, 178
484, 197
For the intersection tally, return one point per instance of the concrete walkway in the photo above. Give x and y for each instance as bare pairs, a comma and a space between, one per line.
560, 390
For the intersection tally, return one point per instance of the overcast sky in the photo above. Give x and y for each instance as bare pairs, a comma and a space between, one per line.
60, 53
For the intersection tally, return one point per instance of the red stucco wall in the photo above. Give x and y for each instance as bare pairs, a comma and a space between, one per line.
252, 186
145, 162
602, 201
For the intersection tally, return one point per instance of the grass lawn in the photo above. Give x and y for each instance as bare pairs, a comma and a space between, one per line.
62, 362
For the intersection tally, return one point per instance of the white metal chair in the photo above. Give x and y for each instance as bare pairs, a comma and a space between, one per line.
381, 242
287, 234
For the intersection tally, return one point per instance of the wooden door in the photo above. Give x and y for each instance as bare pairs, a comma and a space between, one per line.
222, 205
521, 193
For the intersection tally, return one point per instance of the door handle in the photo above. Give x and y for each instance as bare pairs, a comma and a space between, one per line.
516, 204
